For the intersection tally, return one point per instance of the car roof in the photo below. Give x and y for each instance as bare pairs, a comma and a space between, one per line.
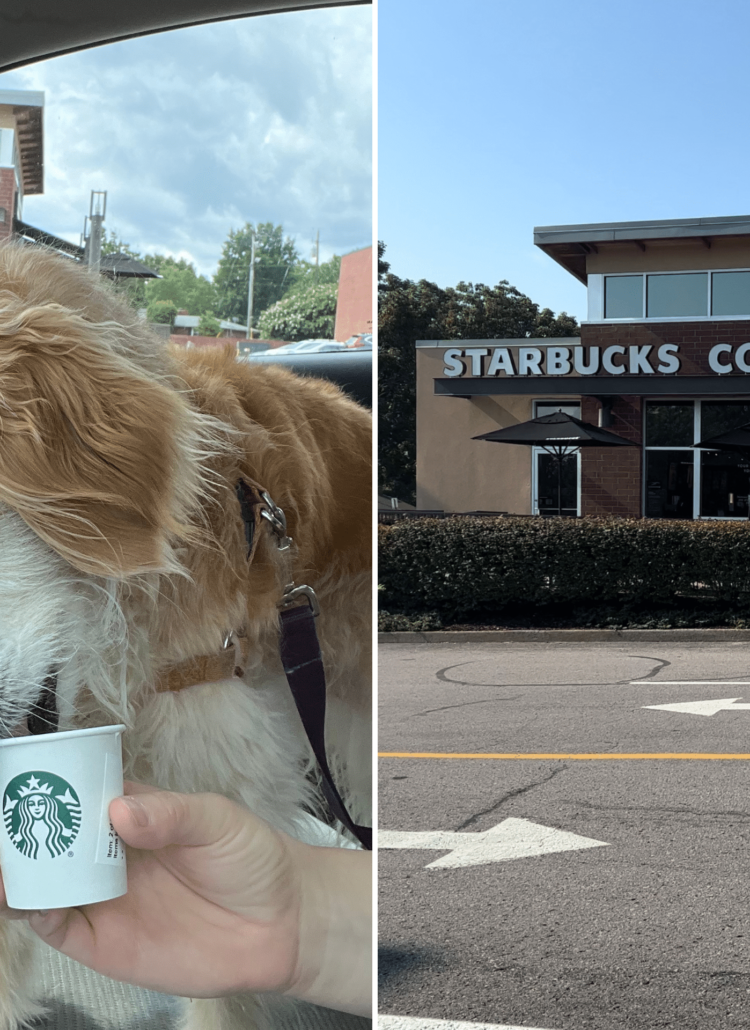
38, 29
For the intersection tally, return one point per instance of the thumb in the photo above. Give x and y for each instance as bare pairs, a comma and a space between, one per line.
157, 819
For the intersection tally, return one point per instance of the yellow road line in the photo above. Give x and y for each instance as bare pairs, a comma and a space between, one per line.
559, 755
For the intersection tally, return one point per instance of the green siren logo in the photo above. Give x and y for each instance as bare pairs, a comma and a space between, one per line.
42, 814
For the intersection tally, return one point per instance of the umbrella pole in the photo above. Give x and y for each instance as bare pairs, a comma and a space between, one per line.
559, 484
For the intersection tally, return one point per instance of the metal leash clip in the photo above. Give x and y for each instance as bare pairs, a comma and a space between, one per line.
292, 594
273, 514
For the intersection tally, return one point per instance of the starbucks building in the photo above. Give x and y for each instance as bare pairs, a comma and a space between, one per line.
663, 360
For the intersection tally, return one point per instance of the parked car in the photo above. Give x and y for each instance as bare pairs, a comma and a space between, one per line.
360, 340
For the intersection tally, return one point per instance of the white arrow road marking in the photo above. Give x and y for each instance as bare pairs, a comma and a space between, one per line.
691, 683
510, 839
718, 704
412, 1023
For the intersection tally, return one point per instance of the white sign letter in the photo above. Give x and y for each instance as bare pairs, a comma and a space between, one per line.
501, 359
739, 358
639, 360
476, 354
667, 354
593, 366
713, 359
529, 361
558, 361
453, 364
609, 365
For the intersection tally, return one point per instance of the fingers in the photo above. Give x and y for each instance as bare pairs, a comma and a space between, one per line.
151, 819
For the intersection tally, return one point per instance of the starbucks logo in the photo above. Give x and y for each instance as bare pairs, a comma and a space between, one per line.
42, 814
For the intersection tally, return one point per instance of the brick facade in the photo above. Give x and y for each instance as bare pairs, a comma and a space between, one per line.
354, 304
611, 477
7, 200
695, 339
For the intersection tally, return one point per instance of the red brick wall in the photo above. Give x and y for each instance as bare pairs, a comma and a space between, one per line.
7, 200
695, 340
611, 477
354, 304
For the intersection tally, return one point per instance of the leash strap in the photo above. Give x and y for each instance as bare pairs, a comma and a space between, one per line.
303, 665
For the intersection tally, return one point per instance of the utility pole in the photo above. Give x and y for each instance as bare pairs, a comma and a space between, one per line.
251, 289
93, 241
317, 254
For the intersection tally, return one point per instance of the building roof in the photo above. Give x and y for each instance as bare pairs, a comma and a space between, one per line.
570, 245
191, 322
123, 266
28, 109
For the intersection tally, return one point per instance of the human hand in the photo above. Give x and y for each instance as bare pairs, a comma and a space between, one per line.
219, 902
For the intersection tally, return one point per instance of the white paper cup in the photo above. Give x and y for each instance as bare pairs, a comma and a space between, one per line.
57, 846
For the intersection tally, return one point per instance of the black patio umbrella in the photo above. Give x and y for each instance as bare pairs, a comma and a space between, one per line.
735, 440
559, 435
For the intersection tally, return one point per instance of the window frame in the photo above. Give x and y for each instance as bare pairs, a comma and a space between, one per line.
697, 403
597, 297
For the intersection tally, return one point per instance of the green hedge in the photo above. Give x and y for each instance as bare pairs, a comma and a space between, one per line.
465, 565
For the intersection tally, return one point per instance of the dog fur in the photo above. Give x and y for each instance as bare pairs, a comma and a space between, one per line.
122, 552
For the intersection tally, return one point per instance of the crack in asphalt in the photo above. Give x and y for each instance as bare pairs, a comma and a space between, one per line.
662, 663
463, 704
678, 810
507, 797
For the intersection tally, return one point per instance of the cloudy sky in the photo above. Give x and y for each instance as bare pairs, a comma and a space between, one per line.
496, 117
194, 132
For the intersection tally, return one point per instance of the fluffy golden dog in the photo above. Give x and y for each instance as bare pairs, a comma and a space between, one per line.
123, 557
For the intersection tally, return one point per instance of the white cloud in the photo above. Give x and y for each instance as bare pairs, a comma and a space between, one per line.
194, 132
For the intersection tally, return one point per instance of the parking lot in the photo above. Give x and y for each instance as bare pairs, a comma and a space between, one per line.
590, 870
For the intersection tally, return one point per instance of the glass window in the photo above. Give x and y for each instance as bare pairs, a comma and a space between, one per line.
669, 425
721, 416
730, 293
669, 485
623, 296
670, 296
725, 484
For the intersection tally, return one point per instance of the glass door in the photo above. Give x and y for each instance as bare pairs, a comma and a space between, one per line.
545, 469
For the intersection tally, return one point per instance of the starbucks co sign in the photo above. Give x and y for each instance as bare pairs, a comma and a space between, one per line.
586, 361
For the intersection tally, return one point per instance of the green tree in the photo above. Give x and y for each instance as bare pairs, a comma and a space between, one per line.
275, 259
410, 311
161, 311
306, 274
304, 314
209, 325
180, 283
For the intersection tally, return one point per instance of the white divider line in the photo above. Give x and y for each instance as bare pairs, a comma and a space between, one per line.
414, 1023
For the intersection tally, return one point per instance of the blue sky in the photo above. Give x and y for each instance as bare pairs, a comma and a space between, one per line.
496, 117
194, 132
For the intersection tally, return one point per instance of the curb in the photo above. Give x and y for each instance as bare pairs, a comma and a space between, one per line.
555, 636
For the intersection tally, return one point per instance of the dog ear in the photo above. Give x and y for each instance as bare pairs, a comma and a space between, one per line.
90, 444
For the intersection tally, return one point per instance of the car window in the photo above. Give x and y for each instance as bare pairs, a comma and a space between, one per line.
211, 143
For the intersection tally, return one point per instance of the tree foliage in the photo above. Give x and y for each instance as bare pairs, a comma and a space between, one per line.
209, 325
409, 311
304, 314
275, 258
161, 311
180, 283
305, 274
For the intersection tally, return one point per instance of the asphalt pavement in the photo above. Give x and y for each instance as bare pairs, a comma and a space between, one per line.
591, 873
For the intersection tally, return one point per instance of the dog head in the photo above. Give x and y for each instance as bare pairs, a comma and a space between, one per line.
100, 463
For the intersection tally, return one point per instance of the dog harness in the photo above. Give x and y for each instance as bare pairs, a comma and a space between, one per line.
298, 644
